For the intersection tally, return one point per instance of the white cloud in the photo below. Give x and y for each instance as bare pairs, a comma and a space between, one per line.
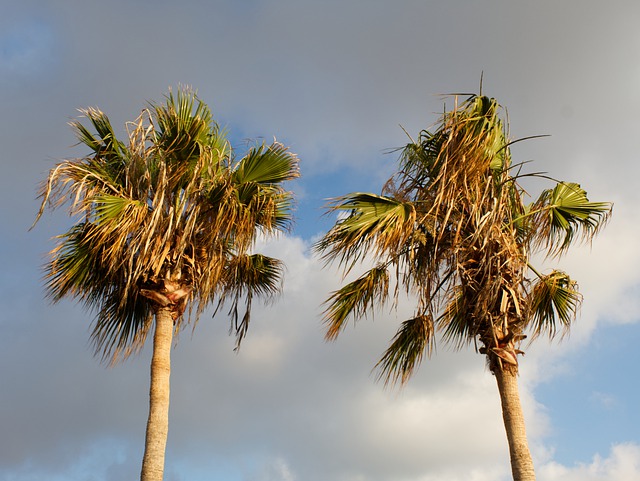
622, 464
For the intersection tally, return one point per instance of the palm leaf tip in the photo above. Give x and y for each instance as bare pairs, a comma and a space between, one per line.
413, 340
246, 277
355, 299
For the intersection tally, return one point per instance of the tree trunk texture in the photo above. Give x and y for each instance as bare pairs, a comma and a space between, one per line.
158, 422
521, 463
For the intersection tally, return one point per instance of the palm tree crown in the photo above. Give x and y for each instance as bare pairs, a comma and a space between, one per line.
453, 226
165, 220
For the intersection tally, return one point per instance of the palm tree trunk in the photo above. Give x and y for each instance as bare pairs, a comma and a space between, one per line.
521, 463
158, 422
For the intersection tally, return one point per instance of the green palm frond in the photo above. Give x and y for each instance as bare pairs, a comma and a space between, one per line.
374, 222
267, 164
487, 130
247, 276
254, 274
283, 206
420, 158
554, 301
413, 340
121, 326
258, 177
356, 299
564, 212
74, 268
82, 266
268, 206
114, 209
184, 125
105, 144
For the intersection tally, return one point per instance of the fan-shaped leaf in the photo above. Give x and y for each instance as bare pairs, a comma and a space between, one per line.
413, 340
356, 299
554, 301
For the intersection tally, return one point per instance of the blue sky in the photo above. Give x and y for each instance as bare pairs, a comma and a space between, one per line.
337, 81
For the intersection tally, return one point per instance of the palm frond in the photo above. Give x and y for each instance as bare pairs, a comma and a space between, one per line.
255, 274
356, 299
105, 144
374, 223
419, 160
115, 209
121, 326
267, 164
564, 213
258, 178
184, 125
248, 276
413, 340
553, 303
79, 268
454, 322
74, 269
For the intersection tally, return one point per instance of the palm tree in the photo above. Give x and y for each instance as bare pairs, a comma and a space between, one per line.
165, 225
453, 229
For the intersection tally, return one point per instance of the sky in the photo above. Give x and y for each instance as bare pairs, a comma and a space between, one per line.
338, 82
